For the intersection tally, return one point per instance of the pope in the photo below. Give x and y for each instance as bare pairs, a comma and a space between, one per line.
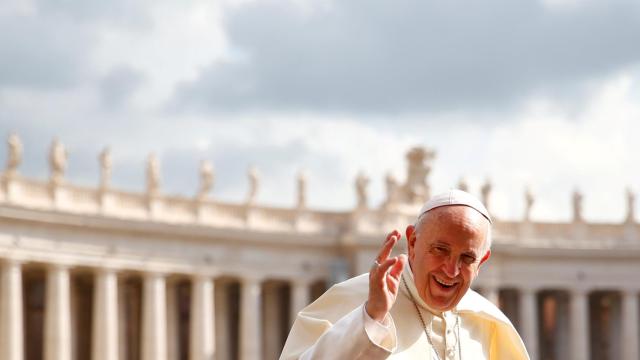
417, 305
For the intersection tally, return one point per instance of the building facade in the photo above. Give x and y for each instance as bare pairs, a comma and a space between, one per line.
98, 273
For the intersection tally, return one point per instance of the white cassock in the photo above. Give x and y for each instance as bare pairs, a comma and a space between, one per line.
336, 326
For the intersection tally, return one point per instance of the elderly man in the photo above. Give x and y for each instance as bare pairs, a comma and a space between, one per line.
421, 311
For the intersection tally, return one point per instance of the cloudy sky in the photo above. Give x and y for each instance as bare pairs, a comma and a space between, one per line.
539, 93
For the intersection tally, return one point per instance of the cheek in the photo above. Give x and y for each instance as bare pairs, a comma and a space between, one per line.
470, 274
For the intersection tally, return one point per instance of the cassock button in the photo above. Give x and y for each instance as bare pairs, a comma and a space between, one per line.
450, 352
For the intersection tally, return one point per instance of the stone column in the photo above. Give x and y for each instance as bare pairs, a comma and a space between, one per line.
154, 318
202, 329
579, 312
57, 336
630, 325
250, 320
11, 330
105, 316
299, 298
529, 320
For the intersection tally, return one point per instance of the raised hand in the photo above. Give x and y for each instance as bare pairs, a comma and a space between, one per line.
384, 279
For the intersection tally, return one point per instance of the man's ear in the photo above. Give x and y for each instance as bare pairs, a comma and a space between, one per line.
486, 257
411, 240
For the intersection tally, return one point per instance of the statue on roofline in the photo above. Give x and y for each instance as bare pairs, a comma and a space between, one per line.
14, 156
153, 174
58, 161
207, 177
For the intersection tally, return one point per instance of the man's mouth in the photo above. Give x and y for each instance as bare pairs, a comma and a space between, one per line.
444, 283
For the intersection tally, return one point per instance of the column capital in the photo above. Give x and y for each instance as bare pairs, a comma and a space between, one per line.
11, 261
58, 266
579, 290
630, 291
489, 286
207, 275
529, 289
154, 274
106, 270
251, 279
301, 281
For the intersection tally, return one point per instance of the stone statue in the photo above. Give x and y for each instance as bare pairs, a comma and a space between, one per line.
392, 189
14, 157
207, 177
57, 161
105, 168
362, 181
463, 185
577, 206
153, 174
417, 189
301, 184
254, 183
631, 199
486, 192
528, 203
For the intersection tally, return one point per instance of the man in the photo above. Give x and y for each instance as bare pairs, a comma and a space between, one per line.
421, 311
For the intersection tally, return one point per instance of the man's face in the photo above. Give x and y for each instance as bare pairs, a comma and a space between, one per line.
445, 253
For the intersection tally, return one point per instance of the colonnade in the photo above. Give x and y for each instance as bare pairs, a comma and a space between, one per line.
57, 340
574, 322
256, 303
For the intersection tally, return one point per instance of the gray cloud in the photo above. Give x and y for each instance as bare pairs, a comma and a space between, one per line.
52, 47
114, 12
38, 52
119, 85
413, 56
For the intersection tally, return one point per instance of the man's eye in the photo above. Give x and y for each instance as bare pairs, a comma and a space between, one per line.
440, 250
468, 259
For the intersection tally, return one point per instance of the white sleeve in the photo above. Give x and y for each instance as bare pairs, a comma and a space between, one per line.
355, 336
383, 335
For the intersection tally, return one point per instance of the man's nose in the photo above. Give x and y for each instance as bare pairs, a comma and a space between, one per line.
452, 267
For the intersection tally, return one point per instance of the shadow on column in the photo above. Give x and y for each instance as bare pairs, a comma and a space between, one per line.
130, 308
33, 297
508, 299
179, 317
227, 318
605, 324
553, 323
82, 286
317, 289
275, 317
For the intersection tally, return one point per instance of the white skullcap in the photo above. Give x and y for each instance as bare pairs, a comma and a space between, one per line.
455, 197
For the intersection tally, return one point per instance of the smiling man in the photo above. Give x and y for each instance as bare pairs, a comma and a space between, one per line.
421, 311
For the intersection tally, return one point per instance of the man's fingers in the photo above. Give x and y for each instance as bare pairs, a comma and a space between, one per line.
389, 243
380, 272
398, 266
392, 284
